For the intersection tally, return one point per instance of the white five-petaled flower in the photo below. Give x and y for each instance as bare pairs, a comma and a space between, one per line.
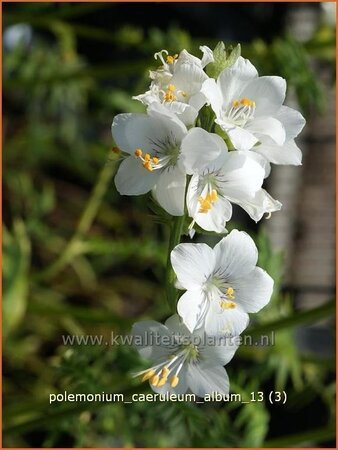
222, 284
220, 178
183, 361
177, 83
248, 107
153, 141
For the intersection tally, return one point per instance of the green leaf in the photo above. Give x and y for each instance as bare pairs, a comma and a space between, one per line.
223, 58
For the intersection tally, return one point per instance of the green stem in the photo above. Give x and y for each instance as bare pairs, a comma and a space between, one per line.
295, 319
175, 238
73, 247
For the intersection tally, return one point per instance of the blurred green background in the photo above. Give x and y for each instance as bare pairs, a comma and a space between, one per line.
80, 259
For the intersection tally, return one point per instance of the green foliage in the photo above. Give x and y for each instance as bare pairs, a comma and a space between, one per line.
224, 57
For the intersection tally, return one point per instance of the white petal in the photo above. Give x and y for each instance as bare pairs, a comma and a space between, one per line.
186, 113
232, 80
292, 120
208, 55
188, 78
176, 326
169, 190
240, 177
261, 160
167, 122
231, 322
254, 290
146, 336
268, 94
241, 138
262, 203
236, 255
268, 126
191, 307
218, 350
131, 131
133, 179
289, 153
199, 148
205, 380
213, 94
192, 263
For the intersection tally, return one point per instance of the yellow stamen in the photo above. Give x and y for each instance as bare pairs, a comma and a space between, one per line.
147, 165
171, 58
243, 102
206, 203
227, 305
138, 152
183, 93
155, 160
230, 293
171, 87
174, 381
154, 380
162, 381
150, 373
147, 157
165, 371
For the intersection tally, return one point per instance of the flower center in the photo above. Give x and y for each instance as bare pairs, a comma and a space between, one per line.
168, 371
207, 201
170, 94
241, 111
148, 162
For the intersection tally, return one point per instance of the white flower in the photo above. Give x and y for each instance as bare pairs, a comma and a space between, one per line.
288, 153
183, 361
248, 107
220, 178
153, 142
177, 84
223, 284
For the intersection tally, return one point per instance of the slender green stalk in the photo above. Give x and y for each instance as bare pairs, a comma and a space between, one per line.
299, 318
175, 237
73, 247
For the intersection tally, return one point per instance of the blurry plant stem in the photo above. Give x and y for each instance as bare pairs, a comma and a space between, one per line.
74, 246
176, 228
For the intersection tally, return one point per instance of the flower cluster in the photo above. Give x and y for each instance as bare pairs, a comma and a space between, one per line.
204, 144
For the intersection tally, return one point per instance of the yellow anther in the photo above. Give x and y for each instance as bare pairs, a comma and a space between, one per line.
243, 102
155, 160
147, 165
165, 371
227, 305
150, 373
169, 96
162, 382
230, 293
147, 157
206, 203
154, 380
213, 195
183, 93
115, 150
174, 381
171, 58
171, 87
138, 152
